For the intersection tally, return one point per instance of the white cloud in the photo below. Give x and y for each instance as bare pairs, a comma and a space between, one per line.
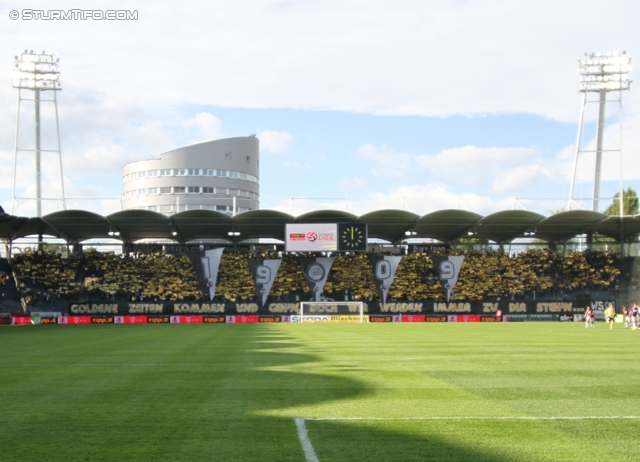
353, 182
386, 161
273, 141
473, 165
205, 126
409, 57
124, 99
418, 198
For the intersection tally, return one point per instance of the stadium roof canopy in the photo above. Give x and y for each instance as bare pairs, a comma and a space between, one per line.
200, 224
503, 227
620, 227
563, 226
256, 224
447, 226
390, 225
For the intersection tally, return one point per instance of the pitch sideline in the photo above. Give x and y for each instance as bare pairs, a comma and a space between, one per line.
310, 453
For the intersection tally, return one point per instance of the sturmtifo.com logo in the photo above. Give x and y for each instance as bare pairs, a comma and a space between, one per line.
74, 15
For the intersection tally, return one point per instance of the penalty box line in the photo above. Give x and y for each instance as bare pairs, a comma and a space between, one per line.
310, 453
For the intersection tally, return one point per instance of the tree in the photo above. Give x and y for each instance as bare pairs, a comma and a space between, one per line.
630, 204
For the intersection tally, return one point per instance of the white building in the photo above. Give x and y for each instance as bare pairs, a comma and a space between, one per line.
221, 175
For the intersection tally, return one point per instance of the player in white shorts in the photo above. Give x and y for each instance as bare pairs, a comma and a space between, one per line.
625, 313
588, 318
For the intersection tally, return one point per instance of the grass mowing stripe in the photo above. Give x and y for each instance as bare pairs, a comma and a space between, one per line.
231, 393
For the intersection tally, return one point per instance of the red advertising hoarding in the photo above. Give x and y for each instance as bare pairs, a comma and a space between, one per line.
413, 318
21, 320
464, 318
242, 319
435, 319
74, 320
130, 320
187, 319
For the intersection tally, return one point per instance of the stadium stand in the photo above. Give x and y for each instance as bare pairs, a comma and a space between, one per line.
45, 277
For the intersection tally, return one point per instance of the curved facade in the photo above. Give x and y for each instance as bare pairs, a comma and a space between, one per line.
203, 176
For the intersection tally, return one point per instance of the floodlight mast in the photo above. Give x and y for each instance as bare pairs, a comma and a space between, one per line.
601, 73
36, 71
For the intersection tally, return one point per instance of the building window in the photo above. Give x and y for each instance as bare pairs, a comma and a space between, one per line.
180, 171
178, 190
166, 208
227, 155
221, 208
153, 208
165, 172
193, 189
194, 171
152, 191
222, 191
209, 172
207, 190
152, 173
235, 174
165, 190
248, 159
222, 173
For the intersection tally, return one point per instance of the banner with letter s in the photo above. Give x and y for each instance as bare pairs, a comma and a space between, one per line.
316, 271
447, 267
264, 273
384, 272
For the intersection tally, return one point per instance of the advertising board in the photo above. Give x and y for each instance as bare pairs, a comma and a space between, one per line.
186, 319
464, 318
130, 320
242, 319
311, 237
74, 320
413, 318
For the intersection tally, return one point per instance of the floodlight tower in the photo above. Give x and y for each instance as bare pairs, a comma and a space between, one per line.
601, 74
36, 71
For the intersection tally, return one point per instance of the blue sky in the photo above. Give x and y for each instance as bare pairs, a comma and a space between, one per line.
418, 104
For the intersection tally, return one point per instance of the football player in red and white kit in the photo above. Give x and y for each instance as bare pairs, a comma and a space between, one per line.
625, 313
588, 318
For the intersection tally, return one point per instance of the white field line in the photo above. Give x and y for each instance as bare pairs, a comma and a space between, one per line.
579, 417
311, 456
307, 447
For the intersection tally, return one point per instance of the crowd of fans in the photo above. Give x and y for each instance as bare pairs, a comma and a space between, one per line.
46, 276
140, 277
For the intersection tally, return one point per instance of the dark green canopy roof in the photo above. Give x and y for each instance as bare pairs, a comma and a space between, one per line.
390, 225
502, 227
563, 226
256, 224
446, 225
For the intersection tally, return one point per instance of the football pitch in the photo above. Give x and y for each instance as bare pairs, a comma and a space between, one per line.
320, 392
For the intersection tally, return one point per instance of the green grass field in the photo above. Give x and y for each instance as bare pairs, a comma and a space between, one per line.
389, 392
